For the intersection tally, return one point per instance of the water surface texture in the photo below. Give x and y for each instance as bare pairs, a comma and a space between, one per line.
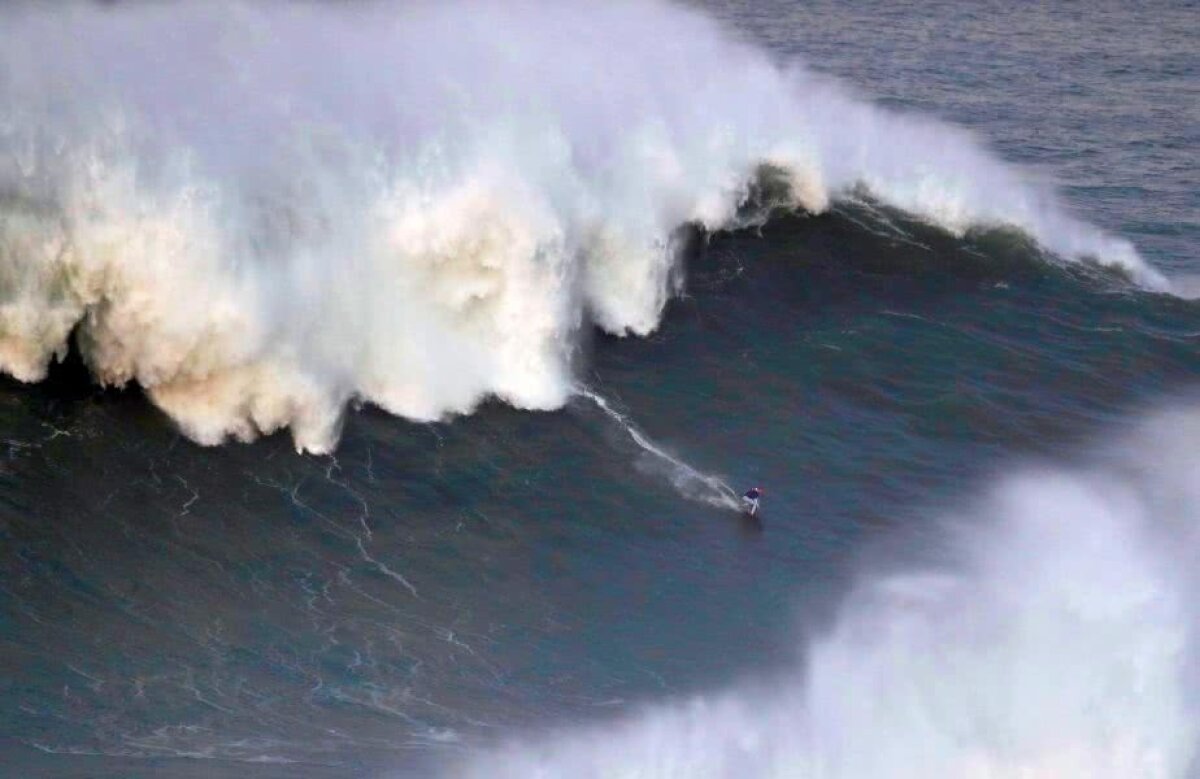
380, 379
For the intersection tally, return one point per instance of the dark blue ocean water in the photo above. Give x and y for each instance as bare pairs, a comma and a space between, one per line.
430, 590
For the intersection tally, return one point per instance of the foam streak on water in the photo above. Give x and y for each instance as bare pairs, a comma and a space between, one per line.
688, 481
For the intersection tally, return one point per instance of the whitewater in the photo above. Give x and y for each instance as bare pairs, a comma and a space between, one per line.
1054, 637
261, 213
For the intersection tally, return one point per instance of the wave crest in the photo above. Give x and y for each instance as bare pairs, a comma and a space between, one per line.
260, 212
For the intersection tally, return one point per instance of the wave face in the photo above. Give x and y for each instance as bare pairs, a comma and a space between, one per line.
1059, 643
261, 212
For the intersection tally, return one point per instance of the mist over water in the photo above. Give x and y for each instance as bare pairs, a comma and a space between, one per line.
1057, 639
261, 212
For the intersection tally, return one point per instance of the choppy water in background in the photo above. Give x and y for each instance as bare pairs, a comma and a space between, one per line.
974, 558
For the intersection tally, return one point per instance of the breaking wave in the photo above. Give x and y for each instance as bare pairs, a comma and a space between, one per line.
261, 212
1060, 641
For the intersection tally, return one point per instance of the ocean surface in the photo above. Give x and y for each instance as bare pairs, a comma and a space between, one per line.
379, 380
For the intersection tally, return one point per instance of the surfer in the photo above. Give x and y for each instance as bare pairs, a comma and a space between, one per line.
750, 499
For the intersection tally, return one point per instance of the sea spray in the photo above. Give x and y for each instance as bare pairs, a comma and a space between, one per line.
260, 212
1058, 640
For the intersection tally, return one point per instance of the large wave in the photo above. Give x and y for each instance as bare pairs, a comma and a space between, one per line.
1060, 641
260, 212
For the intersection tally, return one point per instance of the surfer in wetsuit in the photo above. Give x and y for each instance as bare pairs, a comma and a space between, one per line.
750, 499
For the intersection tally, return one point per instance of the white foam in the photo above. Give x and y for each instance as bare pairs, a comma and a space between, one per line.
1060, 643
259, 211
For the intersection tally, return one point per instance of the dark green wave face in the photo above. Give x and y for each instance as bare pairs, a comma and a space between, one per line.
967, 518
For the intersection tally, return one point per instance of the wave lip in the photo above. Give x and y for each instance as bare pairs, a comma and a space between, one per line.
260, 212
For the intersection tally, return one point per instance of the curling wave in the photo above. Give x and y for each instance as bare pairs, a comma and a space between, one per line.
261, 212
